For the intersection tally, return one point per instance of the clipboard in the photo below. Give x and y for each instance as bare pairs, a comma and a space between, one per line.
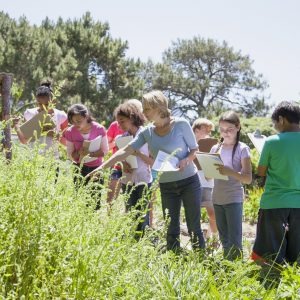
207, 162
205, 145
123, 141
257, 139
33, 128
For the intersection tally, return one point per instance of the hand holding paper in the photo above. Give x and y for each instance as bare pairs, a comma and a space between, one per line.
210, 164
165, 162
224, 170
88, 147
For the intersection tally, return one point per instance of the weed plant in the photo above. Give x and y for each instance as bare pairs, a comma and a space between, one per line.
54, 245
251, 205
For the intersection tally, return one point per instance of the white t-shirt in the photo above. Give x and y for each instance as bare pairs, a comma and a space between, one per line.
205, 183
143, 172
59, 117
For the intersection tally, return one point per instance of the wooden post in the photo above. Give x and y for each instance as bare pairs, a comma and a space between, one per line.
5, 84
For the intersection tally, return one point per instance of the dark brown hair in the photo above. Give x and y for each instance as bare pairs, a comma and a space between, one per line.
232, 118
132, 112
79, 110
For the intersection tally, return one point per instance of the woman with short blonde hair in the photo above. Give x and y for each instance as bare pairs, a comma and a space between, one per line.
157, 100
174, 137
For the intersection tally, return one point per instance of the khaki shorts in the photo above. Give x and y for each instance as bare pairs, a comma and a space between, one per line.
206, 197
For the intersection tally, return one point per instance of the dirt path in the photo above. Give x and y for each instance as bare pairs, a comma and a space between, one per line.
249, 232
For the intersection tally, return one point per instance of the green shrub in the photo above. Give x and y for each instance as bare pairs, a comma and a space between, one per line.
251, 205
55, 246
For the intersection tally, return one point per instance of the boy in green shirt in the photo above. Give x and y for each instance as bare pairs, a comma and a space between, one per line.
278, 227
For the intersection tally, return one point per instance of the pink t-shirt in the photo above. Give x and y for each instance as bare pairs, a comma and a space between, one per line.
72, 135
113, 131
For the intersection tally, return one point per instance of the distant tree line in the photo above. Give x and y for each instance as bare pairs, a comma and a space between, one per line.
87, 65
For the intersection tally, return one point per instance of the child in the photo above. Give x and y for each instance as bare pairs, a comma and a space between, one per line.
84, 128
59, 118
135, 182
228, 195
113, 131
278, 226
170, 134
202, 129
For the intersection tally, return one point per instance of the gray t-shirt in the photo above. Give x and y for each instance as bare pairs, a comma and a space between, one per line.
230, 191
180, 139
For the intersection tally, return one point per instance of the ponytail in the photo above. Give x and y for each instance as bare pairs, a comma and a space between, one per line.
44, 90
235, 145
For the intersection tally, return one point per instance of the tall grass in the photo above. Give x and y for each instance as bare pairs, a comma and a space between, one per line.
53, 245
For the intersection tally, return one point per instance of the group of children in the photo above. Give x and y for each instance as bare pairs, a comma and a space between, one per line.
223, 199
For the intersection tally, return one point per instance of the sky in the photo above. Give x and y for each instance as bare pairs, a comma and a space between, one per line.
266, 30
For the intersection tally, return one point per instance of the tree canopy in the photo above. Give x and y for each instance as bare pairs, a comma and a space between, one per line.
199, 74
79, 55
88, 66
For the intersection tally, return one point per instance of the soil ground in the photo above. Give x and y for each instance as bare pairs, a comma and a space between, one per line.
249, 232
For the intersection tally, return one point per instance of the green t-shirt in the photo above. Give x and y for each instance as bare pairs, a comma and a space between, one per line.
281, 156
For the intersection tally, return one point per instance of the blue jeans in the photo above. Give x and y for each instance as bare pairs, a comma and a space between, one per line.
188, 192
229, 218
139, 200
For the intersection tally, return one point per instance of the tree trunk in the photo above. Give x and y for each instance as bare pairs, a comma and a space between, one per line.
5, 84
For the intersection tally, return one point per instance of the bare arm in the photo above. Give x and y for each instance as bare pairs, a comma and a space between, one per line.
63, 127
15, 124
262, 171
261, 175
147, 159
21, 136
120, 155
184, 162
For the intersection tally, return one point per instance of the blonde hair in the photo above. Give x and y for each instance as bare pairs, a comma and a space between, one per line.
157, 100
203, 122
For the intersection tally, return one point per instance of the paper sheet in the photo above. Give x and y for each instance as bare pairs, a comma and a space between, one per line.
123, 141
33, 128
93, 146
164, 162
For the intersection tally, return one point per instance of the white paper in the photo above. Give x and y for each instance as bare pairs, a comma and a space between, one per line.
94, 145
208, 164
165, 162
257, 140
123, 141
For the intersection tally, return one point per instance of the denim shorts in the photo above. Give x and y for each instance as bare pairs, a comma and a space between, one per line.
206, 197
